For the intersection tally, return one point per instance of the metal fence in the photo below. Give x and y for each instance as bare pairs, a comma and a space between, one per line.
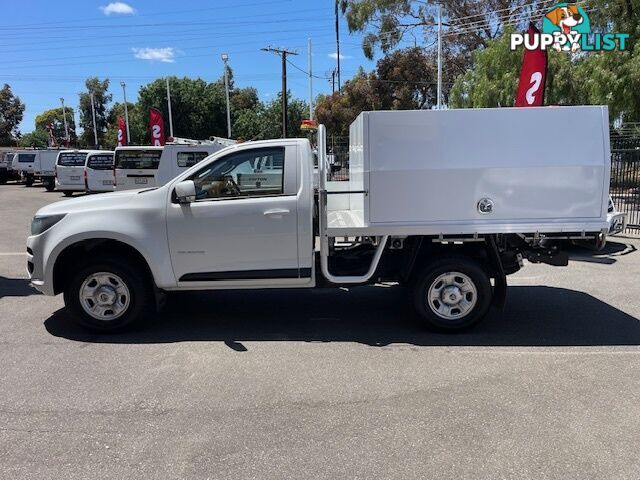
625, 173
625, 178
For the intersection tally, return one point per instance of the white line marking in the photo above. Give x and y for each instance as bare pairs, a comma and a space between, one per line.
12, 254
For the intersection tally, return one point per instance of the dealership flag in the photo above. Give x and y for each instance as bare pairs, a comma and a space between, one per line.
533, 75
122, 133
157, 127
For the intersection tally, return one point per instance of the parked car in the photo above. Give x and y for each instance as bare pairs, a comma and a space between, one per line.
70, 173
147, 166
98, 172
6, 167
36, 165
450, 214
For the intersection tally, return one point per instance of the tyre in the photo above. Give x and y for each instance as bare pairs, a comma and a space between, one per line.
3, 178
68, 194
29, 181
452, 294
50, 186
108, 296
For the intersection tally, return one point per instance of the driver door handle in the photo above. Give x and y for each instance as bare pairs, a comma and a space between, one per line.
276, 212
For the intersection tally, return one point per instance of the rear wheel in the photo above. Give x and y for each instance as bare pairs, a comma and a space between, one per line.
452, 294
108, 296
29, 180
50, 186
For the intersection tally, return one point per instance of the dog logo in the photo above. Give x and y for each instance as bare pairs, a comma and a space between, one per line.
567, 22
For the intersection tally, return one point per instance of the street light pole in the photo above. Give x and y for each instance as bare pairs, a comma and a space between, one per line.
126, 111
225, 58
66, 128
310, 84
95, 128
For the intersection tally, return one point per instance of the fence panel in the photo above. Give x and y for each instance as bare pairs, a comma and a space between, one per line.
625, 179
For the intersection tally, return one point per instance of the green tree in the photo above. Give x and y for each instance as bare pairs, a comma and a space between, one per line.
101, 98
469, 24
36, 139
55, 117
11, 112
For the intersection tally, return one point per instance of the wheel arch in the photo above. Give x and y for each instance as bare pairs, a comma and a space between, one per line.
78, 253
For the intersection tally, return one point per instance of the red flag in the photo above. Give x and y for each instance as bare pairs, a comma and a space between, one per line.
533, 75
122, 133
157, 127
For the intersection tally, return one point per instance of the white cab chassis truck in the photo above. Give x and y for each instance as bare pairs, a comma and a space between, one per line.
447, 203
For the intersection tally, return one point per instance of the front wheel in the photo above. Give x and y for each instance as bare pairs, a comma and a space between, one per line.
29, 180
50, 186
452, 294
108, 296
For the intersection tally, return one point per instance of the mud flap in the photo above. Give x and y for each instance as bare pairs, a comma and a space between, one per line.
500, 278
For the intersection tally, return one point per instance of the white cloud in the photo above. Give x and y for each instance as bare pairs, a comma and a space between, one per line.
334, 55
166, 55
118, 8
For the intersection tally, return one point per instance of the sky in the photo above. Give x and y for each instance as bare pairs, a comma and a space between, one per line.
48, 48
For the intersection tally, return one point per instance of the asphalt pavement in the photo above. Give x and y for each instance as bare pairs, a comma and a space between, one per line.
324, 384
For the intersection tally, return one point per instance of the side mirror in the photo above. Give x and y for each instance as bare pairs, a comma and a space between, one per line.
186, 191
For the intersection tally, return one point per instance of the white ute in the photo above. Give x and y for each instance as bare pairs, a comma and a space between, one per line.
447, 202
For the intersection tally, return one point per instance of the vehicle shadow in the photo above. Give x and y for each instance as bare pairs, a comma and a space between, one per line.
606, 256
375, 316
16, 287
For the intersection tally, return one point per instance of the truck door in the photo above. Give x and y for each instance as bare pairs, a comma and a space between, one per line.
236, 234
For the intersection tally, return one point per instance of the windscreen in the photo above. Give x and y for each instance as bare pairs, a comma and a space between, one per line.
26, 157
100, 162
73, 159
138, 159
10, 157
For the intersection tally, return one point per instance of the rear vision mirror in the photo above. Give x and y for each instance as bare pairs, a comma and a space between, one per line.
185, 191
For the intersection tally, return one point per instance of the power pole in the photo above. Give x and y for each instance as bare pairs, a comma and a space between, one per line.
169, 106
126, 111
310, 83
95, 127
225, 58
338, 43
283, 55
66, 128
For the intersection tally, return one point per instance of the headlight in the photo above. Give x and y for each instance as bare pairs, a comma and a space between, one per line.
44, 223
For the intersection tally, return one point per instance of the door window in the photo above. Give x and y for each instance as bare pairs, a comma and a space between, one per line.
250, 173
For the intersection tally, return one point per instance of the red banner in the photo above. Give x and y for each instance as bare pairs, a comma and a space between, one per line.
156, 123
122, 133
533, 75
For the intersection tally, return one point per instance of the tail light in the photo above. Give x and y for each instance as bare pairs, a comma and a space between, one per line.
86, 181
55, 171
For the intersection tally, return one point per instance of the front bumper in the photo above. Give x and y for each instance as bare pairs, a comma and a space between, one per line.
35, 266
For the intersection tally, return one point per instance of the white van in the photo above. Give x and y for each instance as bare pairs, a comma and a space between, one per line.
23, 163
98, 172
146, 166
69, 171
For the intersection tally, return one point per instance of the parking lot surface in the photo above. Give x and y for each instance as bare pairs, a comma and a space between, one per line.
324, 384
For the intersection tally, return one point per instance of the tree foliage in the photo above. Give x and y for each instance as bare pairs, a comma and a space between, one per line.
36, 139
55, 117
11, 112
402, 80
101, 99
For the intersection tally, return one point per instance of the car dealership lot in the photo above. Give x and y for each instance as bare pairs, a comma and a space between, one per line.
325, 384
